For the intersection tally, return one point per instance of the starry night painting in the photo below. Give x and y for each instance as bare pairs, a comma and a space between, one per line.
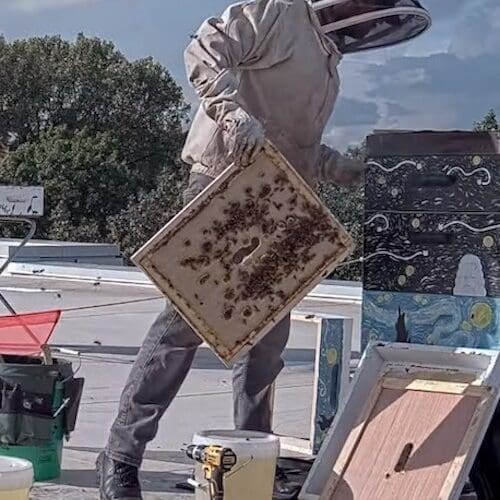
431, 319
433, 253
329, 378
438, 183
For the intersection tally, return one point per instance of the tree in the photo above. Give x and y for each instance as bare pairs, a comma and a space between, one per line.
83, 177
103, 135
347, 205
488, 123
93, 128
141, 220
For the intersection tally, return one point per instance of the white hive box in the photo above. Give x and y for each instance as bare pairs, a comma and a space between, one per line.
242, 254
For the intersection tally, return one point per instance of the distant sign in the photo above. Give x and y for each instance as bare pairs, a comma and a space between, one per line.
21, 201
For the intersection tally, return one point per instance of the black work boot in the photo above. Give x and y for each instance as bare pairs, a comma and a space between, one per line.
117, 481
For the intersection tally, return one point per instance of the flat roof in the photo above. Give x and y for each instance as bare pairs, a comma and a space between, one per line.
109, 339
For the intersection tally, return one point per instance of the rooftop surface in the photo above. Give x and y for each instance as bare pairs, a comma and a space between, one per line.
109, 338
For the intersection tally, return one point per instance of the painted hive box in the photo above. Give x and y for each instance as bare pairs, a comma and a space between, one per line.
433, 171
455, 183
241, 255
431, 319
333, 376
449, 253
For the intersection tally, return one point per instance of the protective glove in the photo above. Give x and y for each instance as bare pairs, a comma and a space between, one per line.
246, 136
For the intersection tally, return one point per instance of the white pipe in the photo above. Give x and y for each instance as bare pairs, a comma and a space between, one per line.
196, 484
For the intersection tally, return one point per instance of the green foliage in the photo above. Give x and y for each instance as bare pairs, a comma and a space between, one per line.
96, 130
488, 123
142, 219
103, 135
348, 206
84, 181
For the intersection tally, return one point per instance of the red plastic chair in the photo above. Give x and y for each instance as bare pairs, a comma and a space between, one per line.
27, 334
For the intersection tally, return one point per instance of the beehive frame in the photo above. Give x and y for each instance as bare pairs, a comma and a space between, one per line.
244, 252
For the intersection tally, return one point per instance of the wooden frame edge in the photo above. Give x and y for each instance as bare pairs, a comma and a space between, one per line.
350, 444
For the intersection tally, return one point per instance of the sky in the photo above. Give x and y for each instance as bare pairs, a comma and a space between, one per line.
446, 79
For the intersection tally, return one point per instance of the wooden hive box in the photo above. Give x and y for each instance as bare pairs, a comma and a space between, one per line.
244, 252
411, 426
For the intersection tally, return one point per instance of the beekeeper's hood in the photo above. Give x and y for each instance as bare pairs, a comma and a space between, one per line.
356, 25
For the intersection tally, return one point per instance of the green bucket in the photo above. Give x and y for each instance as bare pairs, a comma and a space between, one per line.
46, 458
38, 438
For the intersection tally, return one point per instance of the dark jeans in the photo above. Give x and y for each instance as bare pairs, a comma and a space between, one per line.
164, 361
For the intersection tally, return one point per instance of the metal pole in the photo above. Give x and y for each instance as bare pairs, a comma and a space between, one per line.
32, 223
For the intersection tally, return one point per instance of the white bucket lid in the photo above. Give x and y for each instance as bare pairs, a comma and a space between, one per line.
244, 443
15, 474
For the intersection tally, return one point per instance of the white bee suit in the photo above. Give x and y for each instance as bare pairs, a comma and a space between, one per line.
268, 68
264, 68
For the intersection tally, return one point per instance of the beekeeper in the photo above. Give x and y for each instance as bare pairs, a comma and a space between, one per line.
263, 69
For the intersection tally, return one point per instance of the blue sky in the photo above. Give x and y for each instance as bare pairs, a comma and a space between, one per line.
446, 79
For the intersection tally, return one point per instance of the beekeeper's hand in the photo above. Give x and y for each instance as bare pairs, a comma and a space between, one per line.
245, 137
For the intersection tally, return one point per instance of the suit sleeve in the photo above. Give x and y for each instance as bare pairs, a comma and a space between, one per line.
338, 169
221, 47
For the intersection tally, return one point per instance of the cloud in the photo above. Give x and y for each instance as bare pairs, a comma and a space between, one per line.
446, 79
349, 122
342, 137
445, 10
352, 112
396, 109
477, 31
454, 90
31, 6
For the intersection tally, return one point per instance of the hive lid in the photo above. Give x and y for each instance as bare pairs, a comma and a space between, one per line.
431, 142
241, 255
